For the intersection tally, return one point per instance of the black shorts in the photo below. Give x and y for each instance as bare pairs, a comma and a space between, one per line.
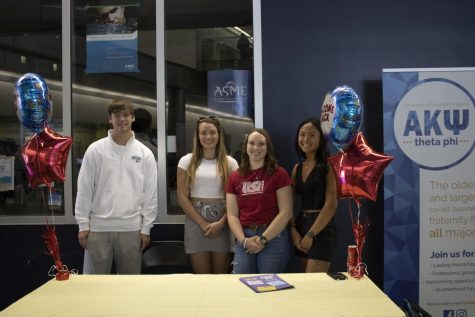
324, 243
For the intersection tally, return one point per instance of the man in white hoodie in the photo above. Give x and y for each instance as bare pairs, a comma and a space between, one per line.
116, 201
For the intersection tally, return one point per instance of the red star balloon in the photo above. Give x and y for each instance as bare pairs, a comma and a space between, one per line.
45, 156
358, 170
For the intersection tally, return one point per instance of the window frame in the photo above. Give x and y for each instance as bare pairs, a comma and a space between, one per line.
162, 216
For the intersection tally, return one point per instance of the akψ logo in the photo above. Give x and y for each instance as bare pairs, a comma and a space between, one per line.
434, 123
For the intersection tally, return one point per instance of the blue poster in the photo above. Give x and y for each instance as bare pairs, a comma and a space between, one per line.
429, 189
111, 39
230, 91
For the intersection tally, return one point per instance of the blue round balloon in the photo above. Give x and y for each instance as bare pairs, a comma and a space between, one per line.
341, 117
33, 102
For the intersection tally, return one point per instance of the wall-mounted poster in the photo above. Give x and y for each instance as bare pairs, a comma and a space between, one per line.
7, 170
111, 37
429, 189
231, 91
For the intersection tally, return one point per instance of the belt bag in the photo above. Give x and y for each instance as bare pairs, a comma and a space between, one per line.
211, 212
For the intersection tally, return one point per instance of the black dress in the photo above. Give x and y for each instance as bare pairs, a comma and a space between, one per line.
312, 196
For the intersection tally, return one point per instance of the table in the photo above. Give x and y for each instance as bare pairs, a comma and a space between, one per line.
315, 294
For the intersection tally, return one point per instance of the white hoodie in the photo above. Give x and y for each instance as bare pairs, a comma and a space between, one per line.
117, 187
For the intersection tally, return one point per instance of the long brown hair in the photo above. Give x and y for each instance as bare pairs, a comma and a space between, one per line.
270, 162
222, 167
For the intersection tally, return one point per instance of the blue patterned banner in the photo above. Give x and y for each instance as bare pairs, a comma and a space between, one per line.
429, 189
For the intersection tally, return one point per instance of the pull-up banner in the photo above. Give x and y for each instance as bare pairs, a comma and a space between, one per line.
231, 91
429, 234
111, 38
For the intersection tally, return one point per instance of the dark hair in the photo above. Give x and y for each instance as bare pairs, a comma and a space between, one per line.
143, 120
270, 162
120, 105
322, 151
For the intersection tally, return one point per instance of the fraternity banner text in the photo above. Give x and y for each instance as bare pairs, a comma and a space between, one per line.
429, 235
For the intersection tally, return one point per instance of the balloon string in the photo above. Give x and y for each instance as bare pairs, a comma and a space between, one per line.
352, 191
37, 155
342, 173
53, 270
348, 179
359, 211
59, 270
351, 213
359, 270
37, 158
46, 205
50, 196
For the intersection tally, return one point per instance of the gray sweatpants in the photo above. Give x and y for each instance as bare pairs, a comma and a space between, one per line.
122, 247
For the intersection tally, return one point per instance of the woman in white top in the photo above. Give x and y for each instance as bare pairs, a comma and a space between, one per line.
201, 176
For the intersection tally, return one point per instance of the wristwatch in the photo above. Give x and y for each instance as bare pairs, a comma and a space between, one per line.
310, 234
263, 240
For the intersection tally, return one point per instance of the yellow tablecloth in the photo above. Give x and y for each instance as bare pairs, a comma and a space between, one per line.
203, 296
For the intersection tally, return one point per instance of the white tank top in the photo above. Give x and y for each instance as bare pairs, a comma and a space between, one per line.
207, 184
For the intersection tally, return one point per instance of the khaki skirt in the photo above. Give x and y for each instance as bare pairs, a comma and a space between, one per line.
196, 241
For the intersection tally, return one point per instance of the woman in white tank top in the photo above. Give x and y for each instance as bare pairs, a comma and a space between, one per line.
201, 176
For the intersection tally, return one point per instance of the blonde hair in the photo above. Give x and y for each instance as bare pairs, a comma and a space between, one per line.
222, 166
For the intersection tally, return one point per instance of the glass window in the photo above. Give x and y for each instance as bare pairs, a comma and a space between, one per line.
209, 71
30, 42
113, 56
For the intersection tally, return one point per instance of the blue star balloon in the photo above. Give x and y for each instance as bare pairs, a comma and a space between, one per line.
341, 116
33, 102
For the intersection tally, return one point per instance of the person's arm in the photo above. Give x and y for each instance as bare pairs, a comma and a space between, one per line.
215, 228
294, 234
293, 177
285, 207
84, 196
251, 244
150, 202
232, 212
327, 212
184, 202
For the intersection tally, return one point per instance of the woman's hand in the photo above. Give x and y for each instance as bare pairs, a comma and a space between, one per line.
306, 243
203, 224
213, 229
296, 239
253, 245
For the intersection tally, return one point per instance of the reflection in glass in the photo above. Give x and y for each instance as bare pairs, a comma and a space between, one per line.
97, 39
209, 71
34, 45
